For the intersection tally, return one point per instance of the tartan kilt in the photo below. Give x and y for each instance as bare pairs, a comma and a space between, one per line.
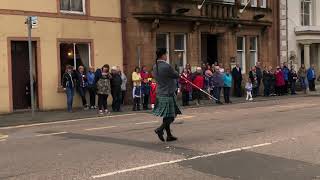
166, 107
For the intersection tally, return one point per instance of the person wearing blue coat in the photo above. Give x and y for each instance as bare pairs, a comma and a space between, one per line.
227, 79
311, 76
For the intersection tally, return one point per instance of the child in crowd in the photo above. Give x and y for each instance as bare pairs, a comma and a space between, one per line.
145, 90
136, 98
153, 93
249, 90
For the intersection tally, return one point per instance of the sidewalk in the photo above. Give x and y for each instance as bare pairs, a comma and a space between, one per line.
24, 118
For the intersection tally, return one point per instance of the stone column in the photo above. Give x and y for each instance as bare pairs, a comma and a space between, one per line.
307, 55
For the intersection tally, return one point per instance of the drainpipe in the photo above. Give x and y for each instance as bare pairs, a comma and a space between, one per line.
124, 37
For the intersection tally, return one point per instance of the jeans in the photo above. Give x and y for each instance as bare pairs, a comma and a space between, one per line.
103, 102
82, 93
293, 87
136, 104
92, 93
267, 89
303, 83
226, 94
116, 100
70, 94
217, 93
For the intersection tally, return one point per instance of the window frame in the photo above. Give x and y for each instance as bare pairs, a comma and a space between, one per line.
243, 62
84, 5
253, 3
90, 43
167, 43
184, 48
255, 50
264, 3
303, 14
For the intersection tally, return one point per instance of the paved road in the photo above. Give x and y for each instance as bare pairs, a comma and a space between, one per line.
273, 140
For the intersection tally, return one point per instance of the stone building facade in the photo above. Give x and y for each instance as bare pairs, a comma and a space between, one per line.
218, 32
300, 32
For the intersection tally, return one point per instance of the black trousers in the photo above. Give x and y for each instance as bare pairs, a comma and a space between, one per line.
226, 94
197, 95
92, 93
116, 100
312, 85
136, 104
146, 102
293, 87
286, 88
103, 101
267, 89
185, 98
237, 88
166, 122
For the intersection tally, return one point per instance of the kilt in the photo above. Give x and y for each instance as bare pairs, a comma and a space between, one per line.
166, 106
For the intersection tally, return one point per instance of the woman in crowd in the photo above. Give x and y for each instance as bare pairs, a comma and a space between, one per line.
68, 85
227, 79
293, 76
116, 83
104, 89
123, 85
280, 83
82, 85
267, 80
166, 105
198, 80
254, 81
185, 86
92, 87
302, 75
217, 84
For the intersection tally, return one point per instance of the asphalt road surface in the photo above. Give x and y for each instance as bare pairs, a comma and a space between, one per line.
273, 140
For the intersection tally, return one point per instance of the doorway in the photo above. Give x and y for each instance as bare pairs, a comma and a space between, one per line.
209, 48
21, 98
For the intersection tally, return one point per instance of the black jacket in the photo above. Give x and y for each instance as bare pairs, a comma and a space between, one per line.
116, 82
68, 80
237, 75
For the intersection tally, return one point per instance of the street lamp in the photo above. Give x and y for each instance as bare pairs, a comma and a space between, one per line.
242, 10
201, 5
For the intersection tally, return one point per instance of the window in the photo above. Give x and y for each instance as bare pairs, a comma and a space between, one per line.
253, 51
180, 57
72, 6
241, 53
306, 12
263, 3
75, 54
162, 41
253, 3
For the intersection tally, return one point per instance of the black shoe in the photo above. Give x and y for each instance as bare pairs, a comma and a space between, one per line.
160, 135
171, 138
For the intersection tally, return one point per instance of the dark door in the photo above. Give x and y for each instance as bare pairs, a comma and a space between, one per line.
209, 48
212, 50
20, 74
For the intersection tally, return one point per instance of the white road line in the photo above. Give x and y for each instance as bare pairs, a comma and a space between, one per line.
1, 140
147, 122
2, 136
100, 128
179, 160
66, 121
184, 117
51, 134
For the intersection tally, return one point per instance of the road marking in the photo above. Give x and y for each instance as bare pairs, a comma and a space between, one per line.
2, 140
184, 117
51, 134
147, 122
179, 160
2, 136
66, 121
100, 128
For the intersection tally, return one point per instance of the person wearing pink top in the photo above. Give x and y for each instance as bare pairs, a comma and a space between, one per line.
280, 82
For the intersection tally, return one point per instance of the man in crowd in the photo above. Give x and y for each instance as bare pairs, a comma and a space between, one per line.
237, 80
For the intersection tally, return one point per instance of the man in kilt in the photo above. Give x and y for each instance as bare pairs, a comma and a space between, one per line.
166, 105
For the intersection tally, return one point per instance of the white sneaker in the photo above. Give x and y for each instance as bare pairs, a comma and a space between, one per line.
250, 99
106, 111
100, 112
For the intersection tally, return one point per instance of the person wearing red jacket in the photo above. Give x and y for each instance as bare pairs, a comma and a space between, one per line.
198, 80
280, 82
153, 93
185, 86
